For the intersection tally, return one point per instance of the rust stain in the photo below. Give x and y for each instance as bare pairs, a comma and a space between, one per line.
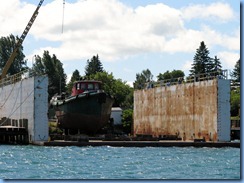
189, 110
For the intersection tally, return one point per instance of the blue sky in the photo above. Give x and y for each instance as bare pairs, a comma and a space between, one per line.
128, 35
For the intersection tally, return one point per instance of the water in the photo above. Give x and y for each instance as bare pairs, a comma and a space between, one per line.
40, 162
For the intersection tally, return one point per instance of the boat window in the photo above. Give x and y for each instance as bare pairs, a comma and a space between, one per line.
78, 86
96, 86
90, 86
82, 86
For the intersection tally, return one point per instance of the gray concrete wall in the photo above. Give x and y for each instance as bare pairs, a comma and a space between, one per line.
190, 109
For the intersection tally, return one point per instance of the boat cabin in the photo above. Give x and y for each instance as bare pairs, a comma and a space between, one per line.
85, 85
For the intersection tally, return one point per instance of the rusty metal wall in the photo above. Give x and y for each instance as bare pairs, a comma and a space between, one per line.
189, 110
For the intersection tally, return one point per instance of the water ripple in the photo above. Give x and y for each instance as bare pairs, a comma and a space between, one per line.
35, 162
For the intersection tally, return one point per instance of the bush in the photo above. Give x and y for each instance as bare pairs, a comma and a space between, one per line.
127, 120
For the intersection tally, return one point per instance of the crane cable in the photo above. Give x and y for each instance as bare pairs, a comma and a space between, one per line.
63, 16
22, 102
7, 96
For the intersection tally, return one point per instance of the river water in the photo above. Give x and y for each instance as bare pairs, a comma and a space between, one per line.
40, 162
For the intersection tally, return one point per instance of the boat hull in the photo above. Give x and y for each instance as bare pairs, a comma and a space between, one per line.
85, 113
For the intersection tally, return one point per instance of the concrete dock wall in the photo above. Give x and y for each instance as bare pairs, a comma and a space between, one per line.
189, 110
25, 104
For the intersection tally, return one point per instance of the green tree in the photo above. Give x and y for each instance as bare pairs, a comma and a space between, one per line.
93, 66
175, 74
115, 87
107, 80
38, 65
202, 63
123, 94
235, 95
164, 76
217, 64
75, 77
235, 101
51, 66
127, 120
236, 74
129, 99
7, 45
142, 78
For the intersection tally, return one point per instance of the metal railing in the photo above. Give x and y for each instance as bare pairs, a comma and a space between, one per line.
8, 80
223, 74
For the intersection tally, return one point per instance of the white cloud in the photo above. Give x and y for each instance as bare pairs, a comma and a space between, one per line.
187, 66
189, 40
233, 42
10, 19
114, 30
230, 42
185, 41
218, 10
107, 27
130, 83
228, 59
68, 78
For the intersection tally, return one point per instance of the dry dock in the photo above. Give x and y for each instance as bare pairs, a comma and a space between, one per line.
143, 144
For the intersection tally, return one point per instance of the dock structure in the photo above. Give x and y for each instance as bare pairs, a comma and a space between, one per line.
143, 144
196, 109
24, 107
13, 135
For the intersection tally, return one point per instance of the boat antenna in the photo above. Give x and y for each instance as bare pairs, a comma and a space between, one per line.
63, 16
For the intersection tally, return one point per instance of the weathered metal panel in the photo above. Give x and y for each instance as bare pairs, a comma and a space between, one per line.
41, 108
189, 110
18, 102
224, 123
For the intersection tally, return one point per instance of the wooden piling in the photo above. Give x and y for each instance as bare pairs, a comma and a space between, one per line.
13, 135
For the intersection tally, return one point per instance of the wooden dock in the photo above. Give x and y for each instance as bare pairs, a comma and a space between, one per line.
13, 135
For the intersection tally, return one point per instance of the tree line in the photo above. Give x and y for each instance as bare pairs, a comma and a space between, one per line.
122, 92
202, 64
51, 66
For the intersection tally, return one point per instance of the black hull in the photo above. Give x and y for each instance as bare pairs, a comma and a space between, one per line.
85, 113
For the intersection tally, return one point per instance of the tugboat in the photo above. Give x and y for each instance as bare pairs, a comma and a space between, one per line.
86, 111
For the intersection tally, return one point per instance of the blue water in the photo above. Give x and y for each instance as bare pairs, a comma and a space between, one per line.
39, 162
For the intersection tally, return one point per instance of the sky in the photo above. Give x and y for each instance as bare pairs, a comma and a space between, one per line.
128, 35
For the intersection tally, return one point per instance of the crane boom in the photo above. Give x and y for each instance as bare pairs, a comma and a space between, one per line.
20, 41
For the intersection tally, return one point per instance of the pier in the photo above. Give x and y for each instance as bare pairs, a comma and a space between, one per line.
13, 135
95, 143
